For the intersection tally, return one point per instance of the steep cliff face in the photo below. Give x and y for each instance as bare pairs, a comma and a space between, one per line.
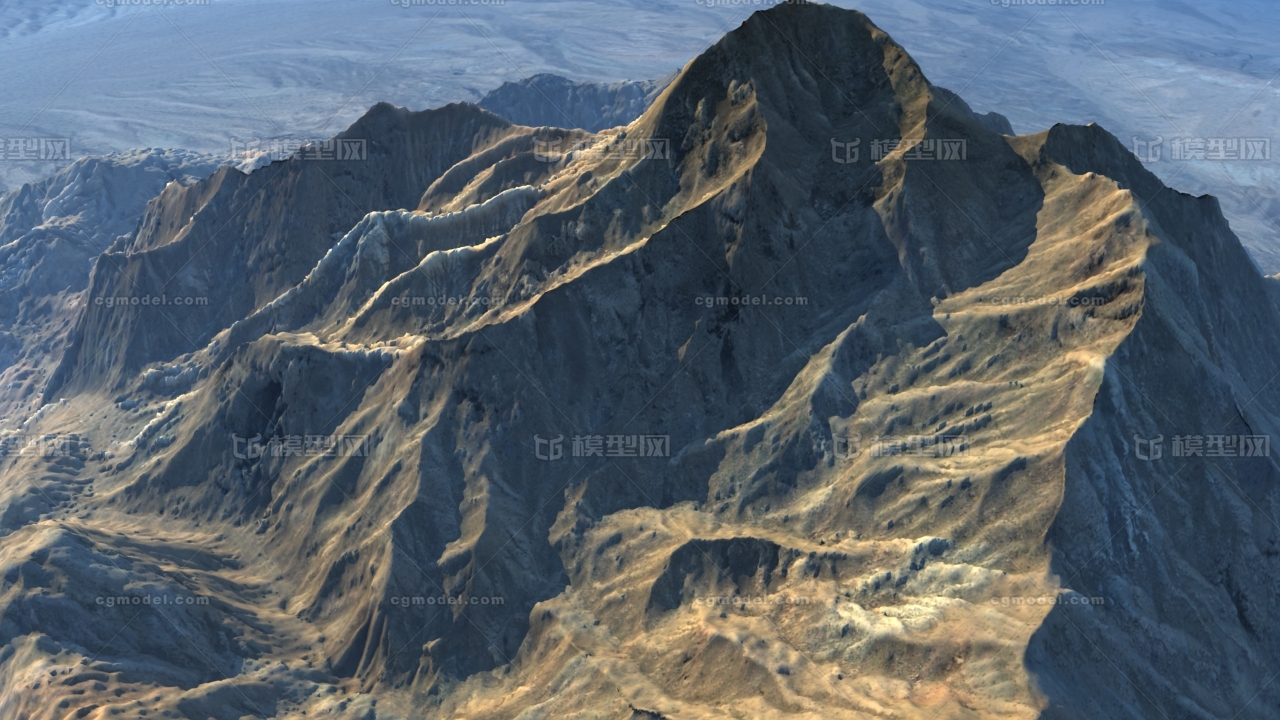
737, 410
1183, 546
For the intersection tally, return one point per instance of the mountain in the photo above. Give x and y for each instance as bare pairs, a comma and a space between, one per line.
304, 69
51, 233
750, 408
547, 100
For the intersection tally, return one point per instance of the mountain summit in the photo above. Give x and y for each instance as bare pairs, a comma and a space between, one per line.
810, 391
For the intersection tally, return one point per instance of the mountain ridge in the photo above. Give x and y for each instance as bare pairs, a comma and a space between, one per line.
943, 300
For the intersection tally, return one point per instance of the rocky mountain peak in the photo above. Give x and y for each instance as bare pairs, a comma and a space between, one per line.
808, 390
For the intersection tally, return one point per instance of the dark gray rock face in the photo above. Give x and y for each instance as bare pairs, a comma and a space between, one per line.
553, 101
1182, 536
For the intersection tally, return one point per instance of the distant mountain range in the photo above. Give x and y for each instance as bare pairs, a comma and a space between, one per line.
547, 100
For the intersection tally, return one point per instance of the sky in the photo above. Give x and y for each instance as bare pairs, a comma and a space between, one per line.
92, 76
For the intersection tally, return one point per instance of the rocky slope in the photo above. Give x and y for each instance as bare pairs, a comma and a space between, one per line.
866, 426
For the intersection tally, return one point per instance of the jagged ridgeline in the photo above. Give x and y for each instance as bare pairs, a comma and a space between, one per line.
808, 392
